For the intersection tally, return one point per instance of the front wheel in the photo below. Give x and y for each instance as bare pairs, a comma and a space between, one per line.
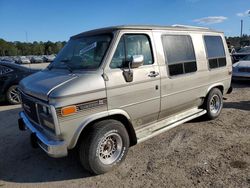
12, 95
213, 103
104, 147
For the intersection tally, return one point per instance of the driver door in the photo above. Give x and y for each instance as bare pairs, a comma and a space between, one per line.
140, 98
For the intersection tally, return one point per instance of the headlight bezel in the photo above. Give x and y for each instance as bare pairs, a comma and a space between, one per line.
46, 117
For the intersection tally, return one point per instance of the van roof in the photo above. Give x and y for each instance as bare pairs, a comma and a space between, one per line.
144, 27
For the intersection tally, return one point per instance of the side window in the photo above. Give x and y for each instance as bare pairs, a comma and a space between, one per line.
129, 45
118, 59
179, 53
215, 51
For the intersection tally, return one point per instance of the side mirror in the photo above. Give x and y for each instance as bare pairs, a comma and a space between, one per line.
137, 61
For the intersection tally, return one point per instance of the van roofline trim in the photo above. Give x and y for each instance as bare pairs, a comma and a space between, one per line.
175, 27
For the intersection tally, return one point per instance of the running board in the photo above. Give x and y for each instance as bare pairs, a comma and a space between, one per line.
164, 125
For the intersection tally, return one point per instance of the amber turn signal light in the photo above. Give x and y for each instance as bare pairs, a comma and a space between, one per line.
68, 110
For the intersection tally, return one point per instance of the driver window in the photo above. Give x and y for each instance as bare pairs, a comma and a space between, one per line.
129, 45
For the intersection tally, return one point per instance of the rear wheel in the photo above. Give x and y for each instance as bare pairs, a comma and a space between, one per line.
12, 95
213, 103
104, 147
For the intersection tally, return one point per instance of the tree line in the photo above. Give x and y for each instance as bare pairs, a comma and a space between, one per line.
26, 48
238, 42
46, 48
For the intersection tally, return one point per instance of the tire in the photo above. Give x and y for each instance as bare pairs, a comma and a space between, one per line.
12, 95
104, 146
213, 104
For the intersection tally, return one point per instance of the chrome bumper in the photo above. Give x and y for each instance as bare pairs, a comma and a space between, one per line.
53, 148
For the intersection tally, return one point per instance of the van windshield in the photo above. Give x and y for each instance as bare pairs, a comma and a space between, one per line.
84, 53
246, 58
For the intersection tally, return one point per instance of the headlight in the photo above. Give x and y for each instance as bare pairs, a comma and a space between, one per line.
46, 110
5, 70
45, 116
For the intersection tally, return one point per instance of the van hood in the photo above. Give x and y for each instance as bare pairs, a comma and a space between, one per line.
63, 87
42, 83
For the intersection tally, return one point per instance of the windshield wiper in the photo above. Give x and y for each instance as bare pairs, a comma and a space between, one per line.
64, 63
68, 67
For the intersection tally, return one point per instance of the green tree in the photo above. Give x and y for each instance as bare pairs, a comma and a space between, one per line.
35, 48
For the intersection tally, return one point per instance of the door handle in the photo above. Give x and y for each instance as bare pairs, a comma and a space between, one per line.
153, 74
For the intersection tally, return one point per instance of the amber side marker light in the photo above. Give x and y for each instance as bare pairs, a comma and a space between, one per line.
68, 110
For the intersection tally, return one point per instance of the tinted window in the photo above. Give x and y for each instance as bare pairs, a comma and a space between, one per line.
178, 48
214, 46
222, 62
213, 63
215, 51
176, 69
179, 53
130, 45
190, 67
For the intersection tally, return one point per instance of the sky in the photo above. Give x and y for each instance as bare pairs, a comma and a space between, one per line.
57, 20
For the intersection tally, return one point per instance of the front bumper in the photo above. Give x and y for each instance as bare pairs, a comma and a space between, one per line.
54, 148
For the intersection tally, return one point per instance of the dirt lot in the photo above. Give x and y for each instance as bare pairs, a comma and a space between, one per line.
199, 153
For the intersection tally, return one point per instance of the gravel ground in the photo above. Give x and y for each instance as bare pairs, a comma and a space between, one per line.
196, 154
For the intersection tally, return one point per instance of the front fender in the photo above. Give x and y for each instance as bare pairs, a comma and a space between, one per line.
93, 118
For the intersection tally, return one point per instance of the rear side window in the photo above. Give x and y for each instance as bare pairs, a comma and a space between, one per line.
179, 53
215, 51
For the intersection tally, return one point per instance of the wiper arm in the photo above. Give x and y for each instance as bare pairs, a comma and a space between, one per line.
64, 61
68, 67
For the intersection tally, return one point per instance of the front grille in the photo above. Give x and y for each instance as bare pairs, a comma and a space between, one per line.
245, 69
29, 108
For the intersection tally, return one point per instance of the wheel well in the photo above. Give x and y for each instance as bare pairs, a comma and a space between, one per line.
220, 87
8, 86
128, 125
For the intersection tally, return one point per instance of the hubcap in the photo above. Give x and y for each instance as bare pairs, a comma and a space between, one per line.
215, 104
110, 148
14, 95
